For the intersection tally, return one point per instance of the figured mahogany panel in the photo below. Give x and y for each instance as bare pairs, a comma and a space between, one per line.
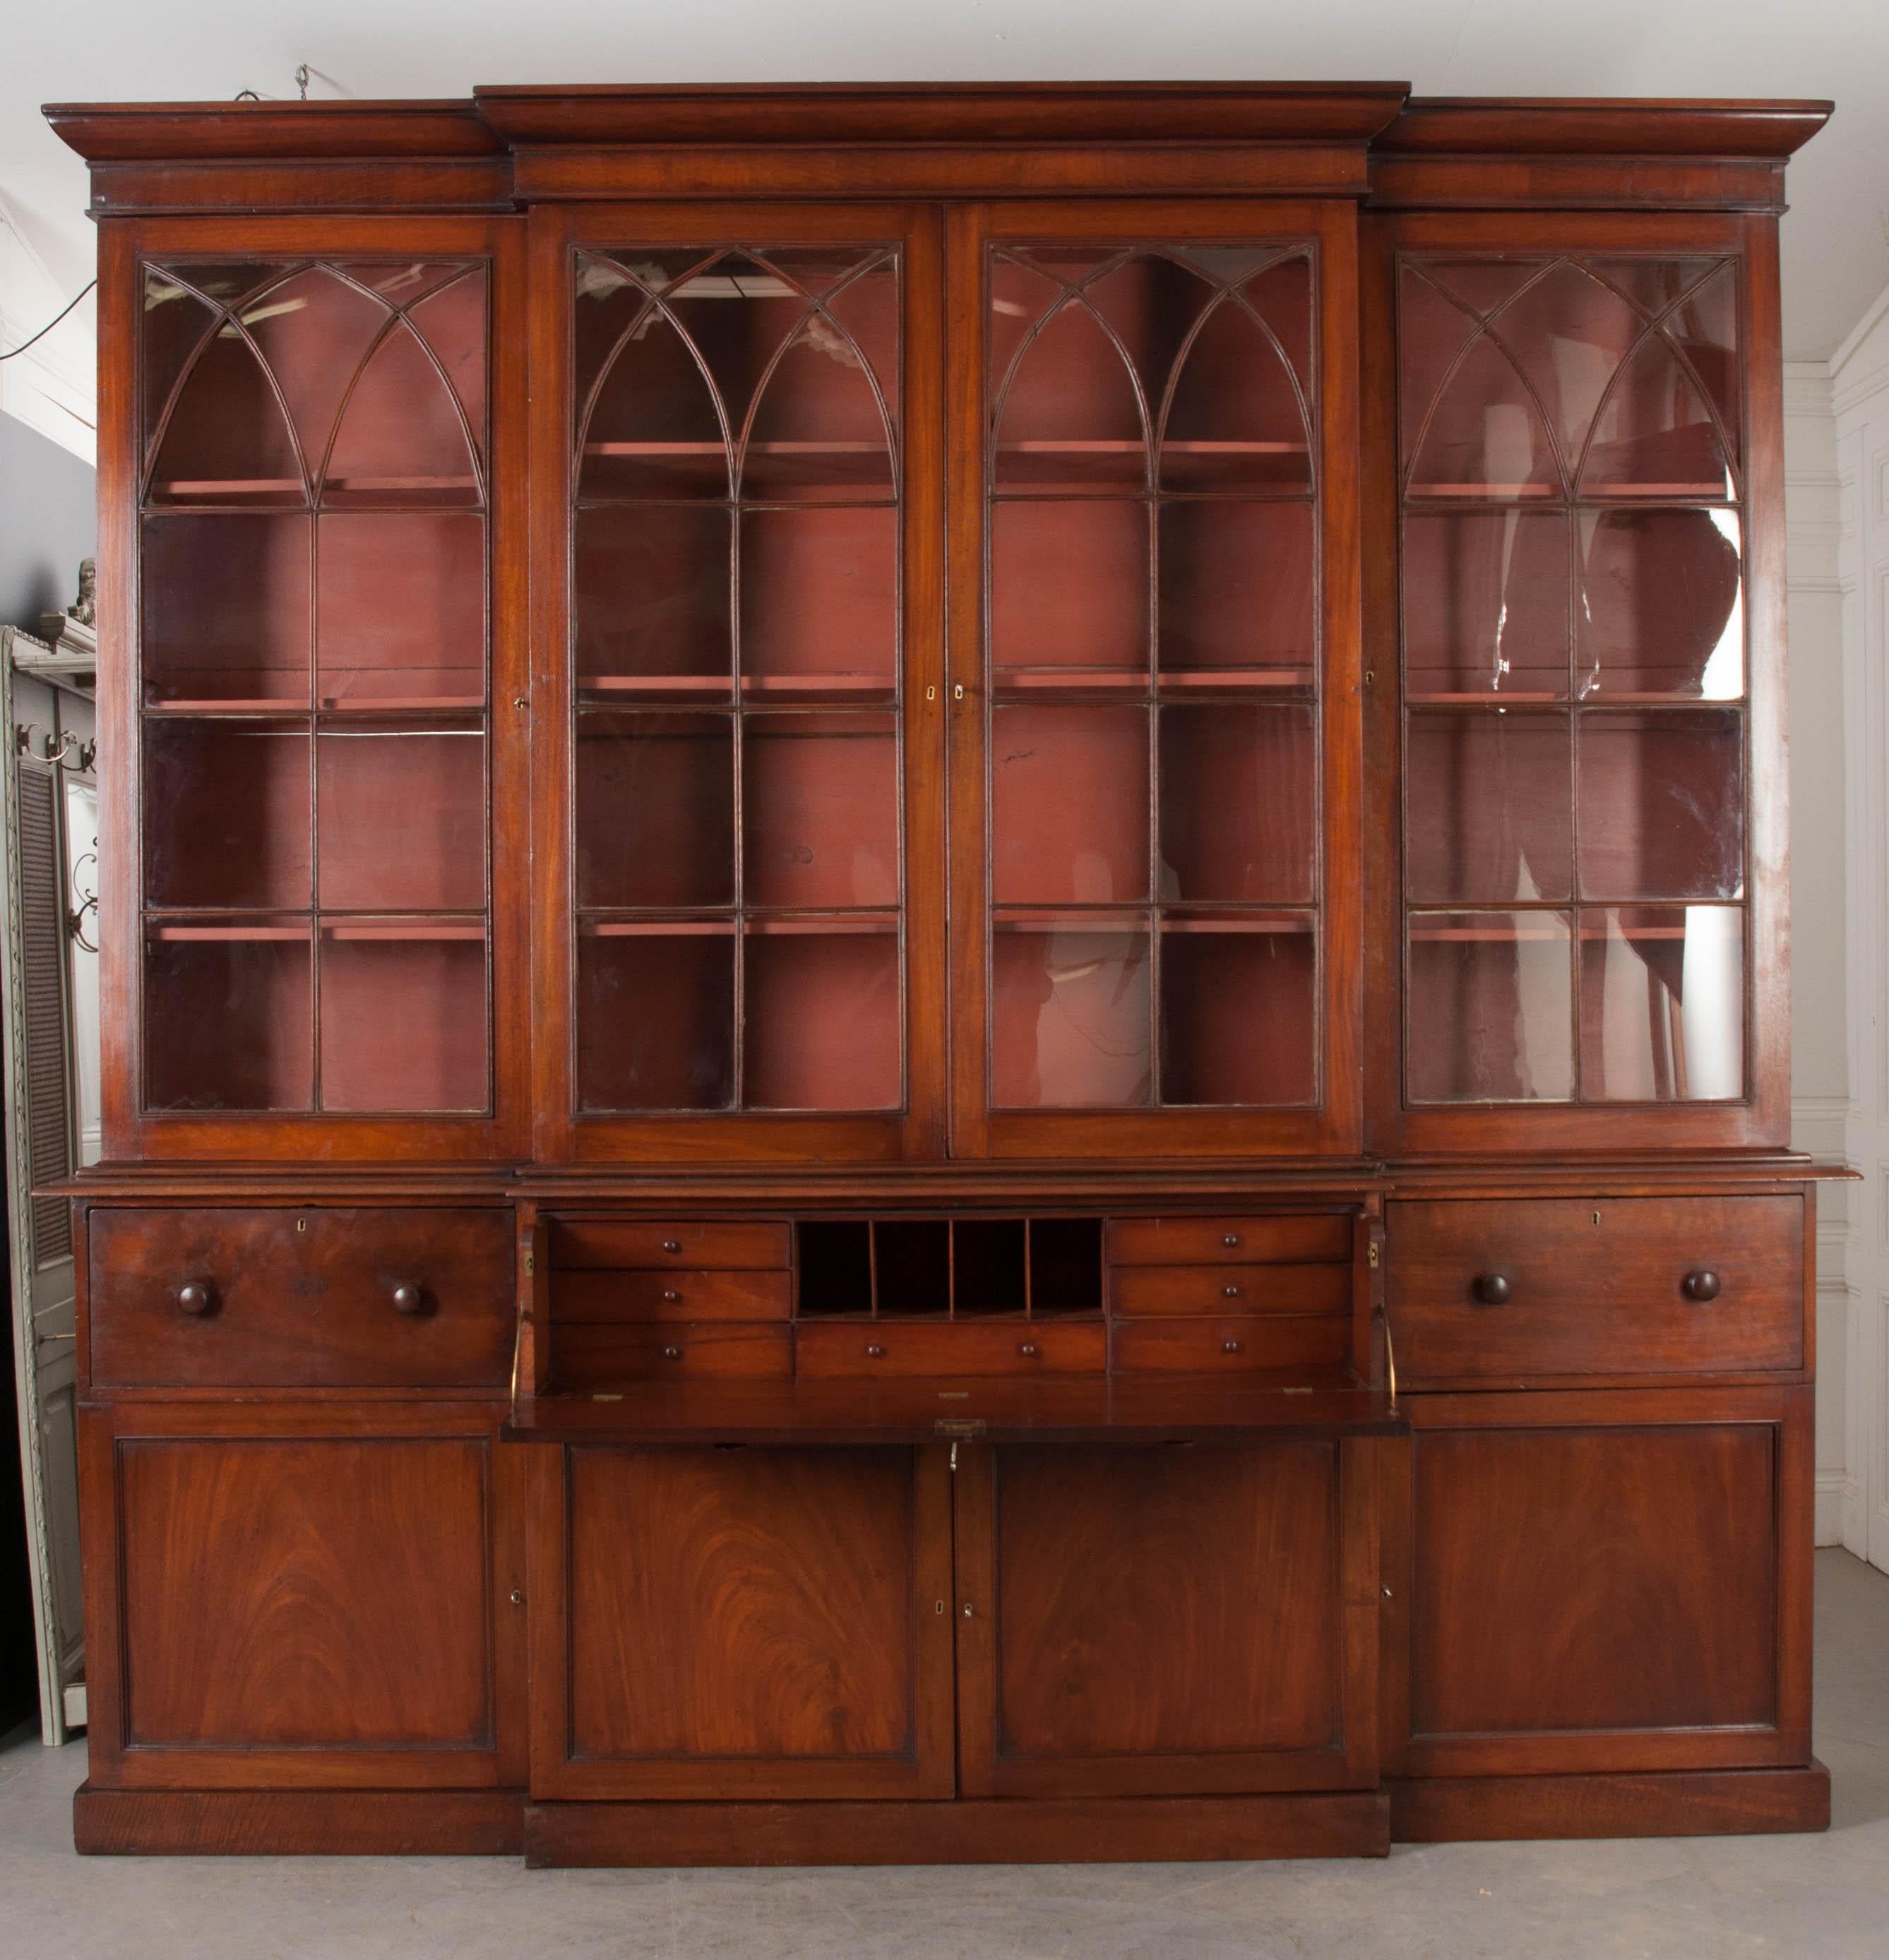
754, 1622
305, 1593
1595, 1579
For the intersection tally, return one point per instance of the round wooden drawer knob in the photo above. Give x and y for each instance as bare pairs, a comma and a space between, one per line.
408, 1299
196, 1297
1230, 1292
672, 1245
670, 1295
1492, 1289
672, 1354
1232, 1347
1232, 1239
1029, 1350
874, 1352
1701, 1285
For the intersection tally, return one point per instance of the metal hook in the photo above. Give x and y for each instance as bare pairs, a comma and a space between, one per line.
302, 82
247, 95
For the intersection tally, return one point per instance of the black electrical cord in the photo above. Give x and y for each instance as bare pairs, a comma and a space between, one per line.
51, 323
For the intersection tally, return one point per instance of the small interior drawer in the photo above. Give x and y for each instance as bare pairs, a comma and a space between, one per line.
600, 1297
1312, 1237
1502, 1289
324, 1297
580, 1245
589, 1357
954, 1347
1138, 1290
1226, 1343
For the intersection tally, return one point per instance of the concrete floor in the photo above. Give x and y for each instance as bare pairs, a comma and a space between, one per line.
1796, 1898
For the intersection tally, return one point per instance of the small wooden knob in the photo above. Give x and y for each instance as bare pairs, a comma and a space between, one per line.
1029, 1350
196, 1297
408, 1299
671, 1295
1231, 1292
1232, 1347
1231, 1238
1492, 1289
874, 1352
672, 1354
1702, 1284
672, 1244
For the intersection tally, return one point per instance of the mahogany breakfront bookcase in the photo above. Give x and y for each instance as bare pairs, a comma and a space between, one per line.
946, 992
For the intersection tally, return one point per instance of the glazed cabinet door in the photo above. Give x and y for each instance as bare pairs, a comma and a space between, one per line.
738, 471
313, 471
1155, 654
735, 1622
1593, 924
1168, 1621
1611, 1581
297, 1595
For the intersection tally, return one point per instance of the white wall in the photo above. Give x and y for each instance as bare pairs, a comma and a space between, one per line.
1859, 373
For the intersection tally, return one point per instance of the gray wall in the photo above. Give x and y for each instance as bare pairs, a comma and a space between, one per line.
48, 521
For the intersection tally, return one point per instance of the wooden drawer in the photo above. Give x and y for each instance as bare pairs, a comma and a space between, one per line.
1585, 1297
1315, 1236
1228, 1344
1196, 1289
579, 1244
320, 1298
954, 1348
607, 1297
594, 1357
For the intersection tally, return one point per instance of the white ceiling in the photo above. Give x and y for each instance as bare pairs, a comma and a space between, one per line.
1835, 251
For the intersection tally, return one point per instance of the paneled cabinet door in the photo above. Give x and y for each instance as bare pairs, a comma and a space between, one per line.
739, 476
1154, 723
1587, 443
1168, 1621
723, 1623
318, 765
303, 1596
1617, 1581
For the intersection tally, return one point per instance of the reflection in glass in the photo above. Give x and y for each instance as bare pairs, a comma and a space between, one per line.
1239, 1011
1069, 815
1485, 603
1488, 807
227, 1014
1662, 805
1490, 1007
1662, 1004
1660, 610
1655, 437
655, 1016
1069, 1015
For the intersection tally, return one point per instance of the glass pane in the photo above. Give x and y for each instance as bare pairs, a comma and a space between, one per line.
1655, 437
1484, 436
1705, 328
1239, 1011
1150, 304
818, 429
402, 820
655, 429
1069, 587
313, 331
402, 437
1662, 1004
1486, 602
1237, 586
1661, 609
1238, 804
1020, 296
1069, 809
229, 809
820, 601
1234, 419
655, 1016
655, 809
403, 1015
175, 325
452, 324
227, 441
1433, 331
1488, 808
821, 1025
614, 302
819, 810
1491, 1009
1568, 333
1662, 805
650, 599
1071, 415
229, 1015
401, 611
224, 610
1069, 1015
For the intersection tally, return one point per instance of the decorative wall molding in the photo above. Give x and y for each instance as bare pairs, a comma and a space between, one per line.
52, 386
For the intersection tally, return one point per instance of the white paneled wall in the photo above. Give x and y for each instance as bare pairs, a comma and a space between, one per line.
1859, 376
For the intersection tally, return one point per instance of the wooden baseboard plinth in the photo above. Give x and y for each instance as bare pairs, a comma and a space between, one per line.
1670, 1803
430, 1823
1347, 1824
